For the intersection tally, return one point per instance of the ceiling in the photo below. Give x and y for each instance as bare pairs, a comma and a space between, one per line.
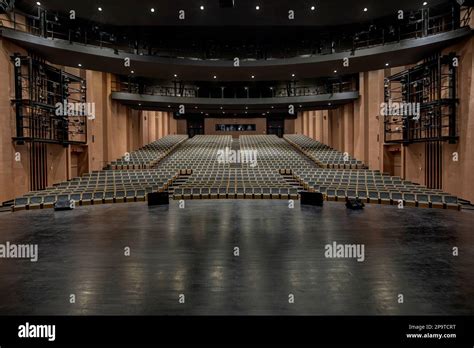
244, 13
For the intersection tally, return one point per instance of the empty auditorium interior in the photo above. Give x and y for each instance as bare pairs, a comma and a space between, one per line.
156, 151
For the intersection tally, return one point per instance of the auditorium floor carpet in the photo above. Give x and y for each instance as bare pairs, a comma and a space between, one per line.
190, 251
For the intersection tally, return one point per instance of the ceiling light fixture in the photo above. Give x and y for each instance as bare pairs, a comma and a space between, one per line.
202, 8
313, 8
365, 9
100, 9
257, 8
152, 10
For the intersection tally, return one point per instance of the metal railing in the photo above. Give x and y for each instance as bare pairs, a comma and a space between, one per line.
422, 23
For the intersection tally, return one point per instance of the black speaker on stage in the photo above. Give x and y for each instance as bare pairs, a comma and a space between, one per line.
64, 205
158, 198
311, 198
355, 204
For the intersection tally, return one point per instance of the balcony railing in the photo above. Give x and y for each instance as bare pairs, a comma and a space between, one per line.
416, 24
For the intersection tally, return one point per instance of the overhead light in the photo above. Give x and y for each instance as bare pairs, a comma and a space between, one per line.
273, 107
246, 108
365, 9
293, 75
257, 7
38, 3
175, 75
253, 76
202, 8
139, 104
169, 106
335, 71
100, 9
132, 72
246, 112
215, 76
425, 3
152, 9
221, 107
386, 64
313, 8
329, 104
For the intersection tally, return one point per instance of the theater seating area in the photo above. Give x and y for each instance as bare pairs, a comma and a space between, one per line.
323, 155
213, 179
368, 185
149, 155
198, 172
111, 186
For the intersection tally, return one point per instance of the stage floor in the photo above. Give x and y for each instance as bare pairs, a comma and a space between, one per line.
190, 251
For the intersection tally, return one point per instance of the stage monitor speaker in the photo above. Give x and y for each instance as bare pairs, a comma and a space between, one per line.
355, 204
312, 198
158, 198
226, 3
64, 205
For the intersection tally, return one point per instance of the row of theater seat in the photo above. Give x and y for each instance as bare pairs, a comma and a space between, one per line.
368, 185
236, 193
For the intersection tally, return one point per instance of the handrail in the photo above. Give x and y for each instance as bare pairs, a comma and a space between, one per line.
419, 24
195, 92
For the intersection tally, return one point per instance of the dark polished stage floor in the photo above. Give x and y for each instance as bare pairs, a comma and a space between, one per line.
191, 251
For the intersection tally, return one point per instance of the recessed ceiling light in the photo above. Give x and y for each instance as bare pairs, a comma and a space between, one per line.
425, 3
195, 107
253, 76
169, 106
293, 75
215, 76
386, 64
257, 7
335, 71
221, 107
329, 104
175, 75
202, 8
100, 9
313, 8
246, 107
152, 10
38, 3
273, 107
133, 72
365, 9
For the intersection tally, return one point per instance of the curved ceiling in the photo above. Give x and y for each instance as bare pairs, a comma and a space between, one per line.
244, 13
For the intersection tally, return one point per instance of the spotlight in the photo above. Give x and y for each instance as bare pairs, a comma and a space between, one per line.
257, 8
387, 64
79, 65
100, 9
253, 76
425, 3
365, 9
202, 8
313, 8
335, 71
175, 75
38, 3
215, 77
132, 72
152, 10
293, 75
